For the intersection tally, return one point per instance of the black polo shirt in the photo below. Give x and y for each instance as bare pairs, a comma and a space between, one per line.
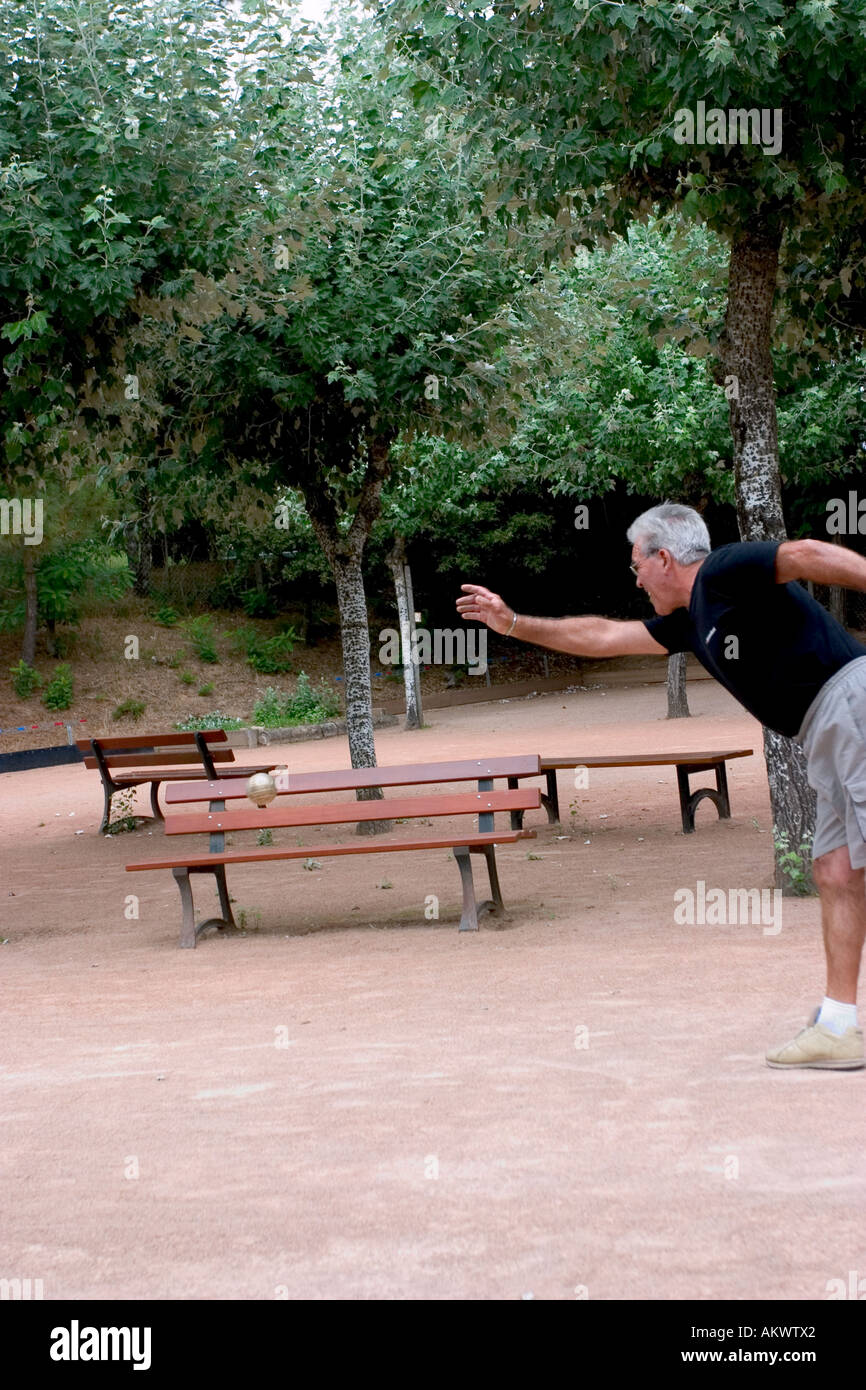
770, 644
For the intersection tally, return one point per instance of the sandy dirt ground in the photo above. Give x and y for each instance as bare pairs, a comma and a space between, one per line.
350, 1101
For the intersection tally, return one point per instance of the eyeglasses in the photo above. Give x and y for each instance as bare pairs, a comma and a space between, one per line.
636, 568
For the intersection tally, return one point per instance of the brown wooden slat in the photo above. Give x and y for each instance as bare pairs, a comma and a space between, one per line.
643, 760
113, 760
176, 740
283, 814
396, 775
326, 851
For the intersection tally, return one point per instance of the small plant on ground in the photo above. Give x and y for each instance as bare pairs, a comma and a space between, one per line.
166, 616
265, 837
274, 709
173, 661
195, 723
205, 689
25, 679
132, 708
202, 636
271, 656
187, 677
257, 603
795, 864
121, 807
58, 691
249, 919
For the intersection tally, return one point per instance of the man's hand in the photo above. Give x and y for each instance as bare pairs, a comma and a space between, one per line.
482, 606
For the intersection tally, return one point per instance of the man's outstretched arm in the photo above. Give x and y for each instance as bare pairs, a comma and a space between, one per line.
821, 562
589, 636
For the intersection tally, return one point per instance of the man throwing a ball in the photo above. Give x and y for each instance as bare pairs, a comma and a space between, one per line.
792, 666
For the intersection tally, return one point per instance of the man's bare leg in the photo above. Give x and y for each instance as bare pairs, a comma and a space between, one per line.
843, 921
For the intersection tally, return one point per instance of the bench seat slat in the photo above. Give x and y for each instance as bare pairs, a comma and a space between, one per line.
355, 778
641, 760
253, 855
457, 804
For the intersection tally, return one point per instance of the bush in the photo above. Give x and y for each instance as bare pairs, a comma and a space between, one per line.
275, 709
257, 603
201, 722
134, 708
202, 637
25, 679
187, 677
270, 656
205, 689
58, 692
165, 615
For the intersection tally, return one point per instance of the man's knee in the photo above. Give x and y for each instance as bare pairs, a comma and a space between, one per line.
833, 872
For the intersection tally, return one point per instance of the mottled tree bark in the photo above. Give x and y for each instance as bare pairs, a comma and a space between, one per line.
28, 644
748, 366
678, 703
344, 551
397, 566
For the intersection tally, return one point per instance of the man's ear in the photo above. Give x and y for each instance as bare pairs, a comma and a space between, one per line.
666, 557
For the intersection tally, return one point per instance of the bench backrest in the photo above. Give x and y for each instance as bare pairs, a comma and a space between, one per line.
146, 750
359, 778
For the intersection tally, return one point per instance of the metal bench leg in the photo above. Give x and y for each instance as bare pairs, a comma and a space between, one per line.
106, 810
550, 802
495, 906
154, 800
469, 917
724, 803
189, 932
690, 800
516, 816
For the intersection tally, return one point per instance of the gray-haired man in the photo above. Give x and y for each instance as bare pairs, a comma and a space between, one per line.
792, 666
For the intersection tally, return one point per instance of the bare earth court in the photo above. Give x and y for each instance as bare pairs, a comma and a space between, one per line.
350, 1101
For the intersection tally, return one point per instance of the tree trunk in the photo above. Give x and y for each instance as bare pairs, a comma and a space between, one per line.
139, 545
678, 704
28, 645
748, 366
344, 551
405, 616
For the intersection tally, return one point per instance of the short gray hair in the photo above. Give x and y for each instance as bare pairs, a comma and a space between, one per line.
673, 527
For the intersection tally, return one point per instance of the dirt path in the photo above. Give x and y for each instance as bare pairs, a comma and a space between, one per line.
354, 1102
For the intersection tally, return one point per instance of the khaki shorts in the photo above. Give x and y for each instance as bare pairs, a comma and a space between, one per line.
833, 735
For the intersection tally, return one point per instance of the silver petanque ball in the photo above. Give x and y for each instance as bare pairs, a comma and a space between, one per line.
261, 788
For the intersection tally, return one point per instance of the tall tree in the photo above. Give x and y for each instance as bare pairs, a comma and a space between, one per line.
601, 112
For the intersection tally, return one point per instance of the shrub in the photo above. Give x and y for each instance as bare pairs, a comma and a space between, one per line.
274, 709
131, 707
25, 679
257, 603
202, 637
271, 656
58, 692
187, 677
205, 689
216, 720
165, 615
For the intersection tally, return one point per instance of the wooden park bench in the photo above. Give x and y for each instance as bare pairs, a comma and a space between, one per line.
289, 810
134, 759
686, 765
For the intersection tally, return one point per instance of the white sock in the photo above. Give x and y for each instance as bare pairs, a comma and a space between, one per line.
837, 1017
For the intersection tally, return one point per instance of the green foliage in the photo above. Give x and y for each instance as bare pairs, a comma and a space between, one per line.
265, 837
268, 655
166, 616
25, 679
58, 691
129, 708
202, 636
187, 677
257, 603
122, 803
216, 720
795, 864
275, 709
205, 689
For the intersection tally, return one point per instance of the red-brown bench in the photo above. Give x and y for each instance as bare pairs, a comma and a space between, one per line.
686, 765
288, 810
157, 758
